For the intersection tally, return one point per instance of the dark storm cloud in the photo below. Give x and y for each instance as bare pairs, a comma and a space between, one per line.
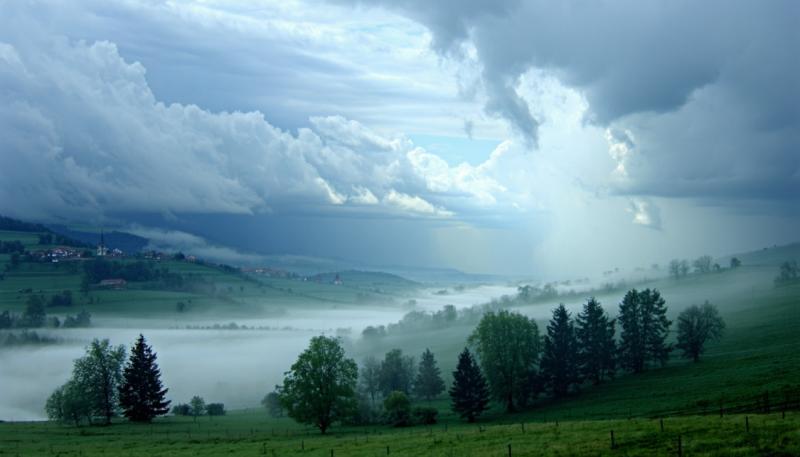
710, 90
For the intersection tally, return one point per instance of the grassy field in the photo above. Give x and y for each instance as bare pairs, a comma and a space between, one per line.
251, 433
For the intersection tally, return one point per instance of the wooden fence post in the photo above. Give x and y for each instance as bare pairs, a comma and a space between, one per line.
661, 421
613, 444
680, 447
747, 424
509, 450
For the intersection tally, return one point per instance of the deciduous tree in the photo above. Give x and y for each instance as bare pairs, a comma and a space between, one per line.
197, 406
397, 372
99, 375
508, 346
698, 325
272, 401
320, 388
370, 379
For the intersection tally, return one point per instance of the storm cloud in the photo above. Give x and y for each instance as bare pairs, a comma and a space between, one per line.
87, 135
711, 90
483, 135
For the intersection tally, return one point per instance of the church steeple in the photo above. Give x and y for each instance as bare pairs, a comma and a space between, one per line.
102, 250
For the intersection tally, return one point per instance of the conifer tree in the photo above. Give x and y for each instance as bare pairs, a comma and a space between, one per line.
141, 394
642, 318
469, 393
559, 365
428, 383
596, 345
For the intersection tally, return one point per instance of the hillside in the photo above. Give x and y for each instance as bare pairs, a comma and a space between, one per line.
203, 287
760, 351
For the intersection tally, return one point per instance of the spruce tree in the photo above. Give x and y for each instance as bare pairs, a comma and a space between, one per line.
469, 393
559, 365
141, 394
428, 383
656, 326
642, 318
596, 346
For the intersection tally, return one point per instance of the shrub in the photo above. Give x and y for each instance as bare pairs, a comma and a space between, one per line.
398, 409
182, 409
215, 409
425, 415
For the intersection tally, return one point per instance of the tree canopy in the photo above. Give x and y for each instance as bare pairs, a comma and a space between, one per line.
697, 325
508, 346
642, 317
397, 372
320, 387
98, 375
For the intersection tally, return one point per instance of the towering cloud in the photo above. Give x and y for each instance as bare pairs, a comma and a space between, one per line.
83, 134
710, 90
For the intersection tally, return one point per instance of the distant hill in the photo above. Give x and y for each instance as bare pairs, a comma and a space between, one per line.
50, 237
432, 275
363, 278
768, 256
7, 223
123, 241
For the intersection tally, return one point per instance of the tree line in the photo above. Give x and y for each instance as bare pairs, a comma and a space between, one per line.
509, 362
679, 268
506, 360
101, 387
35, 313
104, 386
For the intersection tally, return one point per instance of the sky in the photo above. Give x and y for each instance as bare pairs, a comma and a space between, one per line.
533, 138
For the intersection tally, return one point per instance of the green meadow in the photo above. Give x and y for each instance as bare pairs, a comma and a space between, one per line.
250, 433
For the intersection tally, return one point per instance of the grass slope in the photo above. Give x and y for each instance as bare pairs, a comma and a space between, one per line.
234, 295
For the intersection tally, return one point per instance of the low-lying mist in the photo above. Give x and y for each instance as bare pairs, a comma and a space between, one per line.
235, 367
239, 366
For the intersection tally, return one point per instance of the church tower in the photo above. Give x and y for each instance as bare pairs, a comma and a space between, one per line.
102, 250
